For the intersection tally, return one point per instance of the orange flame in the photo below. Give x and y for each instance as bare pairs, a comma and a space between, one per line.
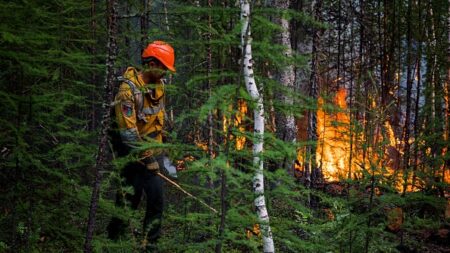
238, 123
333, 145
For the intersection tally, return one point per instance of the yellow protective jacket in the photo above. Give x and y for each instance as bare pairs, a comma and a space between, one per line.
139, 109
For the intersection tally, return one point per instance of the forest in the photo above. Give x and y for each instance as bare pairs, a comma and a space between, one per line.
292, 126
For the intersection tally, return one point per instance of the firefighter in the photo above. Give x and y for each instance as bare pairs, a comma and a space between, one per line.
139, 111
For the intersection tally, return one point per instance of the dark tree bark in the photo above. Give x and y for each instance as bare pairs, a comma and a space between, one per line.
312, 172
107, 97
416, 106
351, 94
447, 98
408, 101
144, 24
93, 52
208, 72
302, 44
339, 31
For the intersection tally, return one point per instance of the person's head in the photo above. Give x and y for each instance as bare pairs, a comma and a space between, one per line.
153, 68
157, 58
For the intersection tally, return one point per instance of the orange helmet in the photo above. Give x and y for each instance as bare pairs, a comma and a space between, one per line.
161, 51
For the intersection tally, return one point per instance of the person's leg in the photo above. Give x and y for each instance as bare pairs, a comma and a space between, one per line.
153, 188
137, 182
133, 175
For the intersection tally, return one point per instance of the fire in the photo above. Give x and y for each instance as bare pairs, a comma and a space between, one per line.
337, 161
334, 154
333, 145
238, 123
333, 140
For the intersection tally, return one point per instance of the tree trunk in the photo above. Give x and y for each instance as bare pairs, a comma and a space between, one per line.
301, 43
144, 24
416, 106
351, 113
408, 102
312, 172
447, 103
107, 97
258, 179
93, 75
208, 73
286, 127
433, 83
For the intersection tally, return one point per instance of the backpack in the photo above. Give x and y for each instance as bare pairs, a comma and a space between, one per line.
116, 144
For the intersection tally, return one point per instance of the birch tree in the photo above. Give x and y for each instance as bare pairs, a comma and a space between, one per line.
258, 179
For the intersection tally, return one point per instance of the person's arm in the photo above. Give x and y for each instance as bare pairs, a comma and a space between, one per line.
126, 120
126, 116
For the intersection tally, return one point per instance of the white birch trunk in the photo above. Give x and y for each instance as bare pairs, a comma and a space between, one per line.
258, 179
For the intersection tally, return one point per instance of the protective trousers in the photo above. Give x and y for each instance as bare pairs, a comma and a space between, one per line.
142, 180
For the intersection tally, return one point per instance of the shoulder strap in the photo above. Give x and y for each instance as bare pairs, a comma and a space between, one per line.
130, 83
137, 97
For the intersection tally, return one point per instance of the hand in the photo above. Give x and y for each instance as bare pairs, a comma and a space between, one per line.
151, 163
168, 168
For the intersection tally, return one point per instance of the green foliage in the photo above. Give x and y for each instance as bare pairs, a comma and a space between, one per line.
51, 89
46, 86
